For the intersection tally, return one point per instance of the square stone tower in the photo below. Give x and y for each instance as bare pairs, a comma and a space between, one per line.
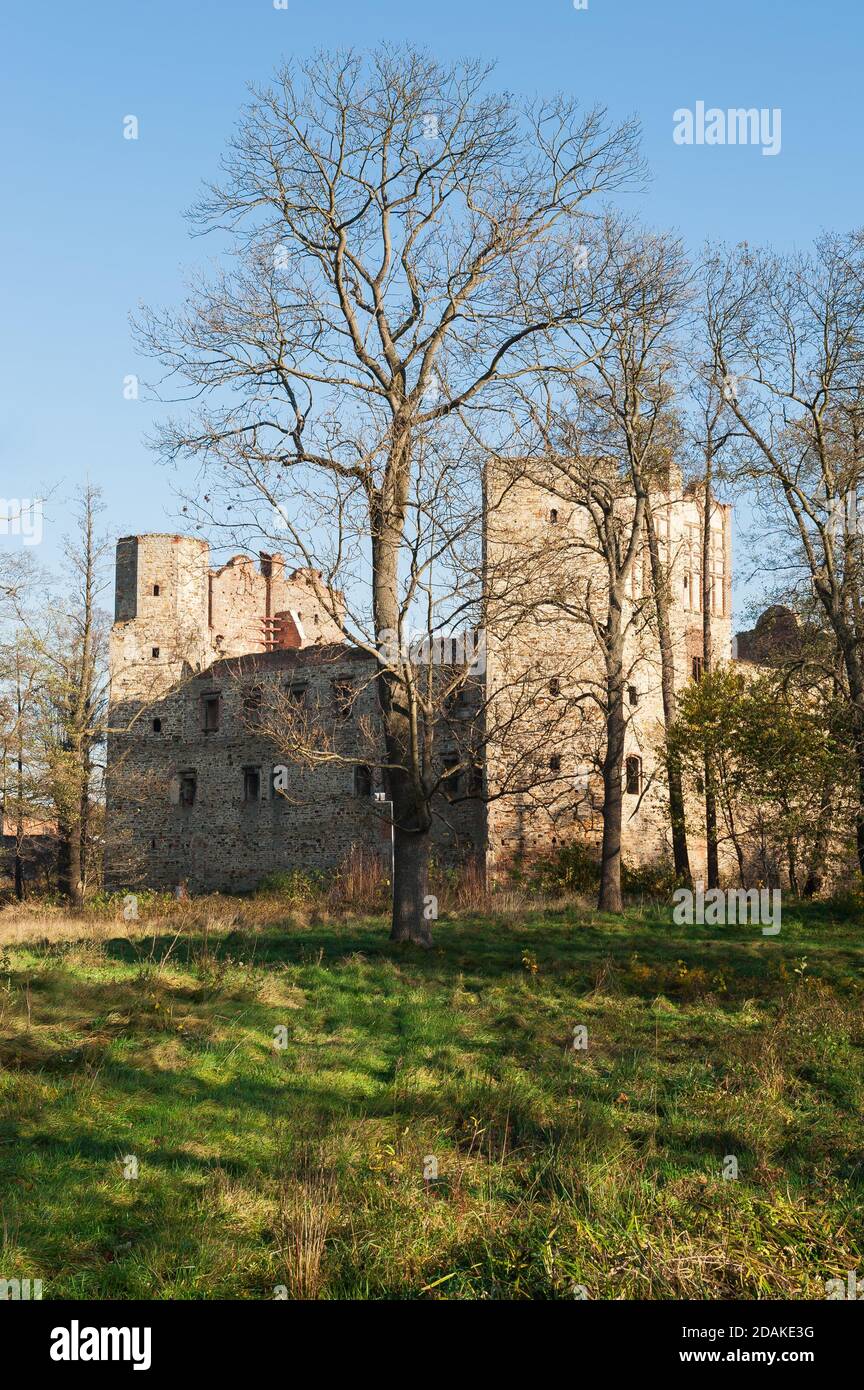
546, 586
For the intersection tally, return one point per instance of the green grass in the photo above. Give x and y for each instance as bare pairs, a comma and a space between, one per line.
303, 1167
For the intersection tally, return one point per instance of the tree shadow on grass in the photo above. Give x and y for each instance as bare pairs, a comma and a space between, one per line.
490, 951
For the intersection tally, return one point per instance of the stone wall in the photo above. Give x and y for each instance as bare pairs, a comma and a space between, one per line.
545, 673
190, 642
196, 695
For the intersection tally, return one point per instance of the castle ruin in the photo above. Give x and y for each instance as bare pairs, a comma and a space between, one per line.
198, 654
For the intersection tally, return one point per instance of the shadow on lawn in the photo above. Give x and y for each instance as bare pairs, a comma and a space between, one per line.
487, 952
118, 1062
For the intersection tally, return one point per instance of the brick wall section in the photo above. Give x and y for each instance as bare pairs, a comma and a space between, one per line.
244, 595
168, 600
225, 840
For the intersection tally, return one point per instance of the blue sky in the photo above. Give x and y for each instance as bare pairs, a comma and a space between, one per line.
93, 223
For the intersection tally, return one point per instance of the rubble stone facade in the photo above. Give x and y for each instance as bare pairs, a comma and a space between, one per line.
198, 656
547, 661
198, 652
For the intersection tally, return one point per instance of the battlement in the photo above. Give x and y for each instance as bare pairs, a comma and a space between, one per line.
174, 614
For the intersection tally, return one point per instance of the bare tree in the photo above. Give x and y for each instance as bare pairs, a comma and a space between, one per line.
708, 435
25, 808
603, 443
660, 582
404, 253
787, 338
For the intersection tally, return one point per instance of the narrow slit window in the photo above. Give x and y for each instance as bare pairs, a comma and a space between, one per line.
188, 788
210, 712
452, 775
251, 784
633, 775
362, 780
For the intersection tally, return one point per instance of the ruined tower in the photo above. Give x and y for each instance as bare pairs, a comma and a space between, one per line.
160, 628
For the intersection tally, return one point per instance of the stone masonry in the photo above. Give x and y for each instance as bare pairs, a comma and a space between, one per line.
198, 655
544, 670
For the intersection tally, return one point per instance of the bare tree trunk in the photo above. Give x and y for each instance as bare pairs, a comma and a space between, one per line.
410, 881
847, 641
610, 899
736, 844
792, 857
724, 800
858, 739
677, 814
712, 857
411, 842
19, 816
403, 766
79, 827
75, 884
82, 711
816, 862
84, 822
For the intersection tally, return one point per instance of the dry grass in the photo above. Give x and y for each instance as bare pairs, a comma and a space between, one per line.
305, 1216
360, 883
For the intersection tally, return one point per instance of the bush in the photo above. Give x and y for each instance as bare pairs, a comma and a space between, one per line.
111, 902
575, 868
298, 886
460, 887
657, 880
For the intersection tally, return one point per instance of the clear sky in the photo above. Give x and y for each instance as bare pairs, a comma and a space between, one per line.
92, 223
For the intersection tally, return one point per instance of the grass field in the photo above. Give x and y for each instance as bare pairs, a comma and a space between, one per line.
298, 1170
